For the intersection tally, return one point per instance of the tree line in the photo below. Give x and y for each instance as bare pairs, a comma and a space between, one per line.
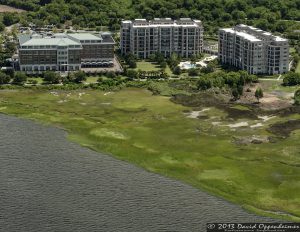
265, 14
291, 79
234, 81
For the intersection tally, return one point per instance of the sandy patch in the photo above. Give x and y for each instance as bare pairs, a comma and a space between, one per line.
104, 132
269, 98
62, 101
196, 114
272, 100
257, 125
254, 139
81, 94
239, 124
54, 94
266, 118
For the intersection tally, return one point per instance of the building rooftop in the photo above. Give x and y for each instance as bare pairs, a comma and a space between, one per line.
50, 41
23, 38
253, 34
278, 38
107, 37
248, 36
161, 22
62, 39
242, 34
84, 36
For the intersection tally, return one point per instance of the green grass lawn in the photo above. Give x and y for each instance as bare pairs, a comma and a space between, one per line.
167, 138
149, 66
92, 79
38, 79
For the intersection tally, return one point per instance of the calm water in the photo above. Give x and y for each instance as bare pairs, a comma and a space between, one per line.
50, 184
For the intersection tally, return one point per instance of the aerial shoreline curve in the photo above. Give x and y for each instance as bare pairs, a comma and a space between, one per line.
57, 185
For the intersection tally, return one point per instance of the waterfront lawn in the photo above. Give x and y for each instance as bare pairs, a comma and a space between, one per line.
167, 138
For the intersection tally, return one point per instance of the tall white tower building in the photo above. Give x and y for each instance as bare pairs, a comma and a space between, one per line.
254, 50
142, 38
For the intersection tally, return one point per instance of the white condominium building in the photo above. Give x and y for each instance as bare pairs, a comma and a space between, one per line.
142, 38
254, 50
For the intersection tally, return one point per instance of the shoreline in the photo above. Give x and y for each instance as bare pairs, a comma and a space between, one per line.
193, 199
80, 137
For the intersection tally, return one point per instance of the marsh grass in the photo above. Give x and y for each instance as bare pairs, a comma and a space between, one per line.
156, 134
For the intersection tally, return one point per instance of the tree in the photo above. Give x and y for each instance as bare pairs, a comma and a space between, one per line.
209, 68
193, 60
152, 57
159, 58
193, 72
177, 70
240, 89
2, 26
100, 80
69, 78
32, 82
204, 83
163, 64
9, 19
132, 74
259, 94
297, 97
111, 75
79, 77
52, 77
132, 64
130, 59
20, 78
10, 47
163, 75
291, 79
4, 79
216, 13
235, 93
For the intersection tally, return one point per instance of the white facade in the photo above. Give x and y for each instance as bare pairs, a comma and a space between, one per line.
143, 38
253, 50
65, 52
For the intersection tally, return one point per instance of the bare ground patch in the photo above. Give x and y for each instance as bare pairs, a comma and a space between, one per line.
5, 8
284, 129
271, 100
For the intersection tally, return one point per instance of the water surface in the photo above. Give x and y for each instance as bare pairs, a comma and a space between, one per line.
50, 184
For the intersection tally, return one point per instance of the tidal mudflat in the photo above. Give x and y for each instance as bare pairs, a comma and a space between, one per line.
50, 184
